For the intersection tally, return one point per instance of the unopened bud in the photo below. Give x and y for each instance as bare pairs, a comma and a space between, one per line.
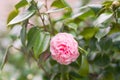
116, 4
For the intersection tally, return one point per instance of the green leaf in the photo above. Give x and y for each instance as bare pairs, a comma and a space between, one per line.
23, 35
106, 44
38, 41
21, 17
103, 18
115, 37
12, 15
101, 33
84, 13
89, 32
5, 57
41, 43
31, 36
115, 28
95, 7
107, 76
55, 10
59, 4
84, 69
102, 59
22, 3
72, 26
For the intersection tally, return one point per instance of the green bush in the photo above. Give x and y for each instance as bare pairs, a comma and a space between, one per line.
96, 27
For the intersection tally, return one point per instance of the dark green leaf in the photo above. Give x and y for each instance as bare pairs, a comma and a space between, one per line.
23, 35
106, 44
107, 76
102, 59
38, 41
21, 17
102, 32
31, 36
22, 3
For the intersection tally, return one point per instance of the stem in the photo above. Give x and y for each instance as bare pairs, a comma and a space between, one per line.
82, 50
49, 18
116, 16
39, 14
61, 76
40, 66
43, 20
31, 24
5, 57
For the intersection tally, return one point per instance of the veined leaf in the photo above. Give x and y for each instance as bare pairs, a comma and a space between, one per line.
38, 41
21, 17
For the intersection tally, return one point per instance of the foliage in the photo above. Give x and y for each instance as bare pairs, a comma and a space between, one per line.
95, 27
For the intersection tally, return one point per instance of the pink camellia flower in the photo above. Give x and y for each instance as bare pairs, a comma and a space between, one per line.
64, 48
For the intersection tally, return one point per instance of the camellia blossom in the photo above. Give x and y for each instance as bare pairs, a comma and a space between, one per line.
64, 48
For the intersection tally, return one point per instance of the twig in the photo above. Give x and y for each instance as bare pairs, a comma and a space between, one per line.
49, 18
6, 56
40, 66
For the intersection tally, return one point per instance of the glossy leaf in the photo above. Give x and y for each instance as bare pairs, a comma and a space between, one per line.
21, 17
56, 10
41, 43
103, 18
95, 7
12, 15
31, 36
